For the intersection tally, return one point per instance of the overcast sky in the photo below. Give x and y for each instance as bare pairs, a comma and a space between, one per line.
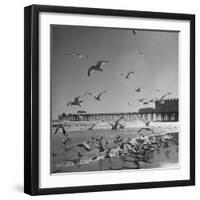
157, 69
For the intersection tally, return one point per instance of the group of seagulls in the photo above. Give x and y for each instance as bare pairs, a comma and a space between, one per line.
146, 101
99, 68
135, 150
78, 101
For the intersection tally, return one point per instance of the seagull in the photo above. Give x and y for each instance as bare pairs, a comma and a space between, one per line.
67, 139
115, 125
79, 155
151, 101
78, 55
54, 154
161, 100
97, 67
64, 141
84, 145
134, 31
141, 100
99, 145
157, 90
76, 102
146, 129
139, 53
138, 89
128, 75
98, 97
122, 126
91, 128
60, 126
130, 104
146, 102
118, 139
147, 122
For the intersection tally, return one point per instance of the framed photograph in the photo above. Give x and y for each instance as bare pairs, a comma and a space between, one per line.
109, 100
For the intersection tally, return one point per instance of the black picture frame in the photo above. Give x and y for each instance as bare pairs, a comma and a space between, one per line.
31, 98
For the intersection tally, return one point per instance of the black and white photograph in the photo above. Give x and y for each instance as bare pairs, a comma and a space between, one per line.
109, 100
114, 99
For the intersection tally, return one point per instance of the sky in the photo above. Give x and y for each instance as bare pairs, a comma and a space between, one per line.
156, 69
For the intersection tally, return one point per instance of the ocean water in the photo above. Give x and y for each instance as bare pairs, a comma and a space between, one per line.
63, 159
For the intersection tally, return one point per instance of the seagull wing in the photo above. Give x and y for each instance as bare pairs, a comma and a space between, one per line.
85, 146
101, 63
165, 96
101, 94
117, 122
91, 128
90, 70
63, 130
76, 99
56, 130
132, 72
134, 32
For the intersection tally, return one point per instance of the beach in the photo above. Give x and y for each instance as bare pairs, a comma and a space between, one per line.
63, 161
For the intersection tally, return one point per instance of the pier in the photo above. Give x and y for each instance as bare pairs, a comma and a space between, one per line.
163, 112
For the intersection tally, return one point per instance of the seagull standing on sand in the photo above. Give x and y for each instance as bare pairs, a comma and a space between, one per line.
98, 97
97, 67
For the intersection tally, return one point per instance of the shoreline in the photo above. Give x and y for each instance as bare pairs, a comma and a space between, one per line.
166, 127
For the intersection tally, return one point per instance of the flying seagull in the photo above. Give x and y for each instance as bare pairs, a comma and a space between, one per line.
122, 126
140, 53
76, 102
138, 89
130, 104
78, 55
147, 122
60, 126
84, 145
141, 100
98, 97
99, 145
128, 75
161, 100
97, 67
92, 127
134, 31
146, 129
116, 124
151, 101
